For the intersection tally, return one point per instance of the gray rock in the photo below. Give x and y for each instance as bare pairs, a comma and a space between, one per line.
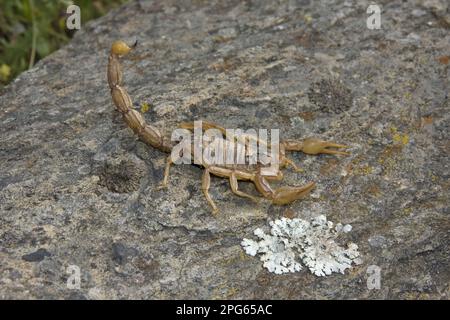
36, 256
120, 252
75, 181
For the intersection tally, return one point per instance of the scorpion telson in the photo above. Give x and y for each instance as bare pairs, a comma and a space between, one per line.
234, 172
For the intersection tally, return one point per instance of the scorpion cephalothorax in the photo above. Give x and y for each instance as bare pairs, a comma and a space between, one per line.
152, 136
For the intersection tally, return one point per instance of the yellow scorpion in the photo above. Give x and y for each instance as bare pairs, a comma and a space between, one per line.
234, 172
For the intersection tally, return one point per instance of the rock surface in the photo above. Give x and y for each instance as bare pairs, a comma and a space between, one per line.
77, 187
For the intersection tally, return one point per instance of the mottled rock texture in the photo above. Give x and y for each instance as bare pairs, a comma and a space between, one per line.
77, 187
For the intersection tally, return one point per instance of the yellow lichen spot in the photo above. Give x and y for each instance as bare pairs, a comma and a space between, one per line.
401, 138
405, 139
407, 211
145, 107
308, 18
365, 170
5, 72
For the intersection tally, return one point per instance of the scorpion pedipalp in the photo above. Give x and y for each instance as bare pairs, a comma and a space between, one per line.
282, 195
314, 146
286, 195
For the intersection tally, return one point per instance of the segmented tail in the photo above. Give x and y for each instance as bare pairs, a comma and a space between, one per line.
122, 100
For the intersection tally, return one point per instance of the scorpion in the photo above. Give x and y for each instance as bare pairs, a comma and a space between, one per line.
234, 172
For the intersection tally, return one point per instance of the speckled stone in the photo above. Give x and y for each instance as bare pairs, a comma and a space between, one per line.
308, 68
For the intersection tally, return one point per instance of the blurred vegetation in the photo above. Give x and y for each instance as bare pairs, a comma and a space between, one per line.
32, 29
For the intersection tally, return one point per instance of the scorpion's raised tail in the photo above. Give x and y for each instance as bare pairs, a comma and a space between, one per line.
123, 103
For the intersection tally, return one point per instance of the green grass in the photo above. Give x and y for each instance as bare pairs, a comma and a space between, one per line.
32, 29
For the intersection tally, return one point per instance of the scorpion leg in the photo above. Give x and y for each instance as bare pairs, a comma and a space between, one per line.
206, 182
293, 165
234, 188
314, 146
166, 173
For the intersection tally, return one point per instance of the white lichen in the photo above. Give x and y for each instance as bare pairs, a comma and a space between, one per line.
292, 241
